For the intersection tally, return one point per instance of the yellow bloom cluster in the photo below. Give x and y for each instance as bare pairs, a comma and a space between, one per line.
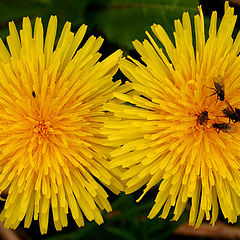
171, 134
67, 131
51, 112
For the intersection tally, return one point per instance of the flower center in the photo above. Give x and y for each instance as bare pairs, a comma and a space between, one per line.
43, 128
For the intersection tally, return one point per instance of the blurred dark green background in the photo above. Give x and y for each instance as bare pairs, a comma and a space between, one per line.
119, 22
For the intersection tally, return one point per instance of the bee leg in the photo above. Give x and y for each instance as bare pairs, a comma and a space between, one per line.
210, 88
212, 93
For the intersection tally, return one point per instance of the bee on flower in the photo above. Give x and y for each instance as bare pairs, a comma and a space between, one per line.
218, 88
170, 132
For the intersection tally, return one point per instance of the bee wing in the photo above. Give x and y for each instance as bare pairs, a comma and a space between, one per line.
229, 107
232, 128
218, 82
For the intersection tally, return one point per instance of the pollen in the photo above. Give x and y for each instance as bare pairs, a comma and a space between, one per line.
43, 129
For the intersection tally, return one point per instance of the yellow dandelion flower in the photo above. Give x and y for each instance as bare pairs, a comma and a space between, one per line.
174, 132
52, 153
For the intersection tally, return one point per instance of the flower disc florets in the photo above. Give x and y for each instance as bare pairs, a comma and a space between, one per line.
51, 112
174, 130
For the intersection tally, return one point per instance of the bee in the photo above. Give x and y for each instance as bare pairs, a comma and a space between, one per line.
230, 113
34, 94
225, 127
203, 118
219, 88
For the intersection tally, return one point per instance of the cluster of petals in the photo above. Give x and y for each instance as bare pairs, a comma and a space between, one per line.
52, 154
68, 132
159, 138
